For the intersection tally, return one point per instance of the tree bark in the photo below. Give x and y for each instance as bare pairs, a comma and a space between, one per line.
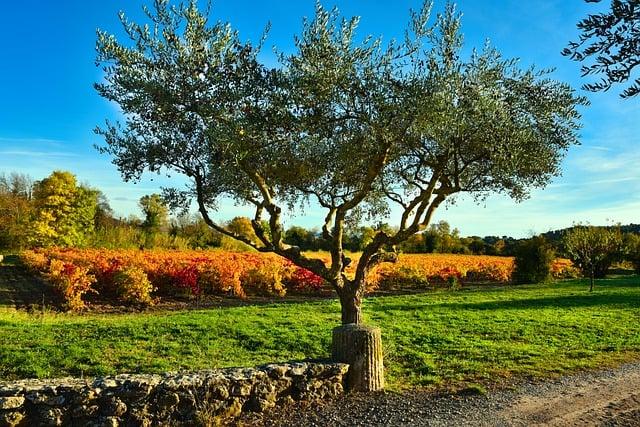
351, 306
361, 347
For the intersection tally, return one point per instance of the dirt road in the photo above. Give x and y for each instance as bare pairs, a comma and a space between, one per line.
606, 398
602, 398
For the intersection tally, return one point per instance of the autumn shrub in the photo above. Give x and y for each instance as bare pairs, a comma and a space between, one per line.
265, 280
533, 260
449, 276
240, 274
390, 277
563, 268
71, 282
186, 277
303, 281
486, 272
133, 286
35, 261
213, 281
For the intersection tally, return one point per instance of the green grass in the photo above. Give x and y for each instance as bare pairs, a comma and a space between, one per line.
438, 338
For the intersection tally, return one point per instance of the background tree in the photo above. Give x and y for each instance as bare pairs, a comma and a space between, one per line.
196, 231
632, 242
610, 39
104, 213
593, 249
300, 237
441, 238
63, 212
353, 125
156, 213
15, 209
240, 226
476, 245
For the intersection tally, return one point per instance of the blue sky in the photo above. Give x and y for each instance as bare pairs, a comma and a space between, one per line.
49, 106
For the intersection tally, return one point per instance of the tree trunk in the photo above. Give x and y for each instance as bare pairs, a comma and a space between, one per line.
350, 304
591, 287
361, 347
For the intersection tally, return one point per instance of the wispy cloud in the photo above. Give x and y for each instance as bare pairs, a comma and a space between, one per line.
22, 141
600, 148
37, 153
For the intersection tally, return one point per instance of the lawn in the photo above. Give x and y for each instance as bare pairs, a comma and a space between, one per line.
436, 339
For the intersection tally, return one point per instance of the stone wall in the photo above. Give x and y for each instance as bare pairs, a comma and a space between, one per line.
201, 398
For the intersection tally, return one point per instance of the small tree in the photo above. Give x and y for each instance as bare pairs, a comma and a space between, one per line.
611, 40
354, 126
593, 249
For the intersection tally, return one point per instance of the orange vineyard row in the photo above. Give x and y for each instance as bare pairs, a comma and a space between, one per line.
140, 277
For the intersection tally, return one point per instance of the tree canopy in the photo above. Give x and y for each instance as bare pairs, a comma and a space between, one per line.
352, 124
156, 213
15, 209
63, 211
612, 41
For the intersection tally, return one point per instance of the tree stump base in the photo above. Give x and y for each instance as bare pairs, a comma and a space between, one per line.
361, 348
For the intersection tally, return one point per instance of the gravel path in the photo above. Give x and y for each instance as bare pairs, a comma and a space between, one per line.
602, 398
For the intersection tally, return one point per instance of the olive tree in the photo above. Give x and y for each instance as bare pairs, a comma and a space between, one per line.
353, 125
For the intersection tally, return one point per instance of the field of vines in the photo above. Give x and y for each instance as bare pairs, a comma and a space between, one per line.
142, 277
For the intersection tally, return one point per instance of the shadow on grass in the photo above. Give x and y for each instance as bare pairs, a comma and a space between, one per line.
21, 289
601, 297
567, 301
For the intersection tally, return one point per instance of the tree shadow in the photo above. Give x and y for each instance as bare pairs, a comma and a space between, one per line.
562, 301
23, 290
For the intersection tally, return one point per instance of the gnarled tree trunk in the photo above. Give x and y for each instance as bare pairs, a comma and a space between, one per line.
351, 305
358, 345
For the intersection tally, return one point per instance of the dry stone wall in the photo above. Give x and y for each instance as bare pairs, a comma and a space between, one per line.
200, 398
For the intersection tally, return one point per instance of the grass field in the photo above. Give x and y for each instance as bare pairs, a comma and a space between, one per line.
433, 339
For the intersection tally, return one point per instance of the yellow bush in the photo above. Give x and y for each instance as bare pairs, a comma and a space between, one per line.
265, 280
133, 285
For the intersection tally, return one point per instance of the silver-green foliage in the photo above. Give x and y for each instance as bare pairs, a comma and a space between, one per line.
353, 124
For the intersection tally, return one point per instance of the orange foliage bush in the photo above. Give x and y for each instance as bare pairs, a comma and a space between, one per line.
71, 281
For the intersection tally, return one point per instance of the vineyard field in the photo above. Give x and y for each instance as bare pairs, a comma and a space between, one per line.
141, 277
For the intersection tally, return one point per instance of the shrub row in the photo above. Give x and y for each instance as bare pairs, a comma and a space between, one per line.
140, 277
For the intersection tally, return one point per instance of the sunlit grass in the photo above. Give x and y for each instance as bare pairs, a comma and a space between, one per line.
435, 338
